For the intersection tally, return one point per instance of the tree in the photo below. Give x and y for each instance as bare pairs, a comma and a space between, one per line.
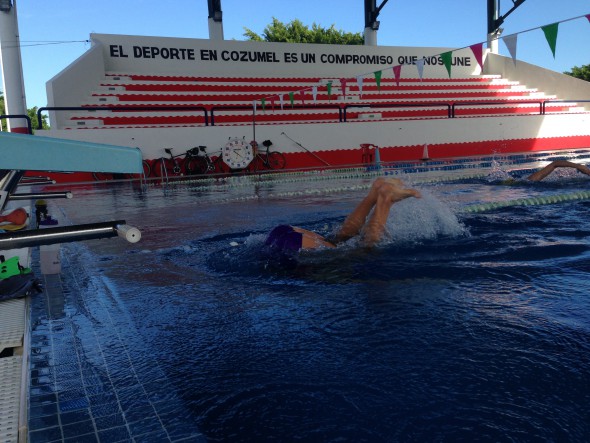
31, 112
297, 32
582, 72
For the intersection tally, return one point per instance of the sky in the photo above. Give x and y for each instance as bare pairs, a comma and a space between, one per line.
432, 23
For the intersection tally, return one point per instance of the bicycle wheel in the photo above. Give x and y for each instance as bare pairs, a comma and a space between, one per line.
147, 169
195, 165
164, 167
101, 176
276, 160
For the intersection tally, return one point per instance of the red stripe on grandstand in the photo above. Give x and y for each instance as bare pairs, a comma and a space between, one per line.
294, 88
436, 151
248, 98
313, 80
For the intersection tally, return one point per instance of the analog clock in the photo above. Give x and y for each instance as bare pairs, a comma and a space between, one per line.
237, 154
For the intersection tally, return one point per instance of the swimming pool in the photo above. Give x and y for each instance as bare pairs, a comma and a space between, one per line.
461, 326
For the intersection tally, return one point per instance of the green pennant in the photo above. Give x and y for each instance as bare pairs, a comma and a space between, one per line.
551, 35
329, 90
378, 79
263, 102
447, 58
291, 98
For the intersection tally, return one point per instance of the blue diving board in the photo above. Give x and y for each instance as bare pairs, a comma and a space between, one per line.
35, 153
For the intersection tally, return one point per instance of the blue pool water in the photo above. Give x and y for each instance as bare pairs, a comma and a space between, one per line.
459, 327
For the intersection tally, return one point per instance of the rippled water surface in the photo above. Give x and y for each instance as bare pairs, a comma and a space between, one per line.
459, 327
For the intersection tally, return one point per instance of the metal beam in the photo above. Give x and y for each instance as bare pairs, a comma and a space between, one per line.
495, 20
372, 12
215, 10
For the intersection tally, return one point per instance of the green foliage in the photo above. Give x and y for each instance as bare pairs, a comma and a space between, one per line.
297, 32
31, 112
582, 72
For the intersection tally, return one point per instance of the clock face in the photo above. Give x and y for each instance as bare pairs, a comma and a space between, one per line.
237, 154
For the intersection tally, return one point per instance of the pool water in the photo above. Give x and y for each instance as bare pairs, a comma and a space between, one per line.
458, 327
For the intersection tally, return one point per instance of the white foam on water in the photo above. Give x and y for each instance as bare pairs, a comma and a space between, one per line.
427, 218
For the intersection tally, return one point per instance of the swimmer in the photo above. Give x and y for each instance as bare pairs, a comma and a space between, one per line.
384, 193
542, 173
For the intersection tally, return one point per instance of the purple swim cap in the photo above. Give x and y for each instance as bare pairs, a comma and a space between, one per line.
284, 238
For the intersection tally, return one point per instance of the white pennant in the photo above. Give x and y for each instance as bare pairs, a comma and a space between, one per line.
510, 42
314, 93
281, 101
420, 67
254, 105
359, 82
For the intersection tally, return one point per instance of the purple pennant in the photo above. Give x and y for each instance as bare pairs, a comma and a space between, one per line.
397, 71
478, 53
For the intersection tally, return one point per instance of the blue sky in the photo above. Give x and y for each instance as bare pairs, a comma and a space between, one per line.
450, 23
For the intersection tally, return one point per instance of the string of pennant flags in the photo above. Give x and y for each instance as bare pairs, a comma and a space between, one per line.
550, 31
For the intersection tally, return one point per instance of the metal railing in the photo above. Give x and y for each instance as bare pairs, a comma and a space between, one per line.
399, 105
342, 109
123, 108
26, 117
561, 101
249, 107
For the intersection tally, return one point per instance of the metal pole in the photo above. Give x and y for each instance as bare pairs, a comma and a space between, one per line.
12, 68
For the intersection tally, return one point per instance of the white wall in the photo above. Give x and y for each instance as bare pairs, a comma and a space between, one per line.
74, 83
563, 86
178, 56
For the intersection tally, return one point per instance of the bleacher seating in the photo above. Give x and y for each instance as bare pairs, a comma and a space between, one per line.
145, 100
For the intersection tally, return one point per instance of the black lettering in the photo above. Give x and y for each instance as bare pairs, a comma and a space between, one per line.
206, 54
308, 58
174, 53
136, 52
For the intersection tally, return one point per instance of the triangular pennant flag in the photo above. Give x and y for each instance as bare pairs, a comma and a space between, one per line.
510, 42
588, 17
551, 35
378, 79
420, 67
291, 98
343, 87
397, 72
281, 101
329, 90
263, 102
359, 82
254, 106
314, 93
447, 58
478, 53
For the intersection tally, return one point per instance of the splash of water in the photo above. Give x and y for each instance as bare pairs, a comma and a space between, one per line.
414, 220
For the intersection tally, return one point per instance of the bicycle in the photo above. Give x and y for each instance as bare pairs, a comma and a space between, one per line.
269, 159
175, 165
202, 164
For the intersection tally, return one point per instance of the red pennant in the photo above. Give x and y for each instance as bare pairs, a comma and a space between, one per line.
588, 17
302, 96
343, 86
478, 53
397, 72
